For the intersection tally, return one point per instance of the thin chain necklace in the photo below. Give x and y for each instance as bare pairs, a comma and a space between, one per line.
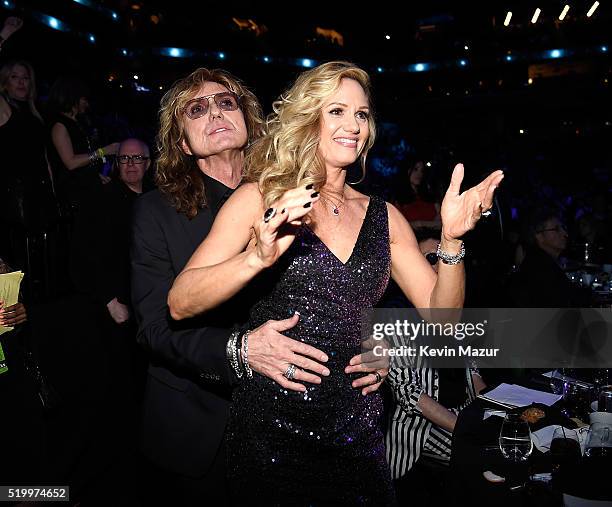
334, 207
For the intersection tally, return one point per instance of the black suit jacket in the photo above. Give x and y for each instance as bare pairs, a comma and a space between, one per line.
187, 396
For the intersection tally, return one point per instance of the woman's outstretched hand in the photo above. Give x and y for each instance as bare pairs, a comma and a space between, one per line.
277, 229
461, 211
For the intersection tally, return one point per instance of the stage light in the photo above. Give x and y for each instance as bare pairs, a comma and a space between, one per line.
555, 53
418, 67
564, 13
463, 63
136, 77
92, 38
592, 9
114, 15
124, 52
466, 47
530, 81
388, 37
603, 49
8, 5
379, 69
428, 164
54, 23
221, 56
266, 59
509, 58
175, 52
521, 131
306, 62
508, 18
536, 15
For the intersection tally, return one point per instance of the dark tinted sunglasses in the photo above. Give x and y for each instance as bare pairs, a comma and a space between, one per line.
432, 258
198, 107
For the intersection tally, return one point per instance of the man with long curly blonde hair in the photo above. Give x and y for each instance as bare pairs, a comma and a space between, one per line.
207, 121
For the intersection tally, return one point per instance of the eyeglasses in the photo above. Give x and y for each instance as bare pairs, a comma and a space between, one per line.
432, 258
136, 159
198, 107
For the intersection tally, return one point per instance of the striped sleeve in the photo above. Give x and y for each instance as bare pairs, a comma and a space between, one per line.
407, 388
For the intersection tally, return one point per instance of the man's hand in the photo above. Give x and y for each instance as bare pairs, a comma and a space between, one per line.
12, 315
271, 354
375, 366
119, 312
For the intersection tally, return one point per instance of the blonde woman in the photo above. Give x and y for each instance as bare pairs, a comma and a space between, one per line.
325, 251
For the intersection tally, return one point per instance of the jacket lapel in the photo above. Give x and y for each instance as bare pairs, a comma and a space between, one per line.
197, 228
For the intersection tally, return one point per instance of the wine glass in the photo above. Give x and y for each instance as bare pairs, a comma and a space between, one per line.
558, 382
515, 439
598, 445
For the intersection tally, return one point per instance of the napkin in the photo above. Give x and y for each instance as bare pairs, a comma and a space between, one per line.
543, 437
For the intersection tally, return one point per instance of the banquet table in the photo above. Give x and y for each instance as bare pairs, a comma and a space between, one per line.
475, 450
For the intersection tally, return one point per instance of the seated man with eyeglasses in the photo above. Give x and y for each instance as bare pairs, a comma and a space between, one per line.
540, 281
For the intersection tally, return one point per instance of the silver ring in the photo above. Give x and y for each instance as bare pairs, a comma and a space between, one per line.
378, 377
486, 213
290, 373
269, 214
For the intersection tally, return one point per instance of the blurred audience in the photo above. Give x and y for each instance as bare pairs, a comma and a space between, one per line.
540, 282
28, 209
416, 199
76, 161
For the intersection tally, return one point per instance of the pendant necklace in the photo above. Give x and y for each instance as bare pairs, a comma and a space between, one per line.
334, 207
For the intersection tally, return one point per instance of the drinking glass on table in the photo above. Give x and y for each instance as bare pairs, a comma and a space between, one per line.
599, 444
564, 447
515, 439
558, 381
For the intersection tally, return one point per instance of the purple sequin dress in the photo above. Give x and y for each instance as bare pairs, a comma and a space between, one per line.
325, 446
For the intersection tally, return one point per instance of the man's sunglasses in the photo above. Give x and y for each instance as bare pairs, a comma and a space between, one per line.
198, 107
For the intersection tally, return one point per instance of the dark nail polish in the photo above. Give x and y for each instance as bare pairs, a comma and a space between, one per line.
307, 205
316, 194
310, 186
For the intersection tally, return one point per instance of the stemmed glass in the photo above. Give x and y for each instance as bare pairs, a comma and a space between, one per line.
516, 445
515, 439
599, 443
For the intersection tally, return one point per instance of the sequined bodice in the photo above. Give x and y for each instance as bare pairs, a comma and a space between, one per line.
330, 296
324, 446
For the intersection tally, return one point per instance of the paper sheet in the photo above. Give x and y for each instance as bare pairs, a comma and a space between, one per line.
513, 395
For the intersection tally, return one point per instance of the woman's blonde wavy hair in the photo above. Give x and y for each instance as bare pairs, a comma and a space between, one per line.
287, 156
177, 175
5, 74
